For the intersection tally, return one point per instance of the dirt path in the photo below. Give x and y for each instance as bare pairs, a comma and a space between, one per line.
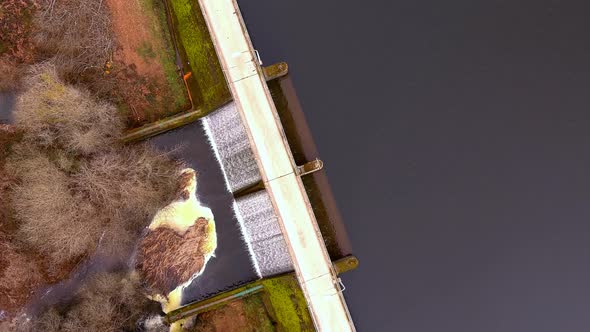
144, 63
137, 44
246, 314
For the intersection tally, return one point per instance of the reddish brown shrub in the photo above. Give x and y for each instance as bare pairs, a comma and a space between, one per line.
78, 35
16, 28
107, 302
20, 276
16, 46
52, 218
130, 183
56, 114
8, 136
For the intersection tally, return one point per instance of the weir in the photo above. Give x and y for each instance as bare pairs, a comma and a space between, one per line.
311, 261
280, 239
275, 209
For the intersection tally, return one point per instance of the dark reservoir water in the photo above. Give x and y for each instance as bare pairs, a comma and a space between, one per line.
231, 265
6, 106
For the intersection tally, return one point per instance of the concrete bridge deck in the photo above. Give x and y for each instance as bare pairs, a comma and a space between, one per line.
311, 261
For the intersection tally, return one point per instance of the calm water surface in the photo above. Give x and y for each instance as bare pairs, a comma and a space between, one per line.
6, 106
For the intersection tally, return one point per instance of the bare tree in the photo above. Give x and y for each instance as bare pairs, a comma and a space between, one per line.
78, 188
16, 48
20, 275
10, 73
106, 302
78, 34
53, 219
56, 114
131, 182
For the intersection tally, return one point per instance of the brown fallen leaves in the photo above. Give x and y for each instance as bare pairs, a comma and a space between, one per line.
167, 259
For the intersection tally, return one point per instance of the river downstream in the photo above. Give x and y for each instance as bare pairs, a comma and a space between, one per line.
231, 265
6, 105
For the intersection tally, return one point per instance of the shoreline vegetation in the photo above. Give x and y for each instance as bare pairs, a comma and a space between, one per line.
74, 200
71, 192
206, 82
120, 51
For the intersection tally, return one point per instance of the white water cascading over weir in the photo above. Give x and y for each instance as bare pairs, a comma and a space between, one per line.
258, 221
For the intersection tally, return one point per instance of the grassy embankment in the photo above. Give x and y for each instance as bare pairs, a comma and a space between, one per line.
203, 76
265, 305
206, 82
155, 11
